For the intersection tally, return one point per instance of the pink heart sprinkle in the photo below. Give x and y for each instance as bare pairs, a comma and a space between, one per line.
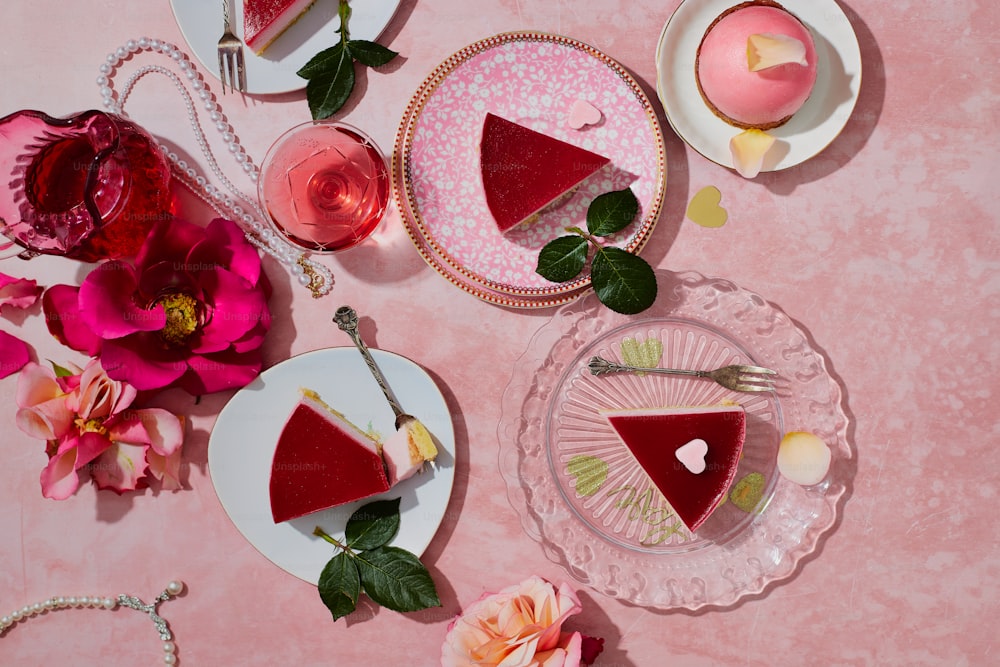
583, 113
692, 455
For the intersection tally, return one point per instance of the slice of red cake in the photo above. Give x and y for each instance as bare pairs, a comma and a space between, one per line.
322, 460
265, 20
664, 440
524, 171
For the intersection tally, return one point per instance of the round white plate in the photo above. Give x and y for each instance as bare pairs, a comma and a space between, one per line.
242, 444
811, 129
200, 22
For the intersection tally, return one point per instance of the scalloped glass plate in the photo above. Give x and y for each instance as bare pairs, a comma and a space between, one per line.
582, 496
531, 78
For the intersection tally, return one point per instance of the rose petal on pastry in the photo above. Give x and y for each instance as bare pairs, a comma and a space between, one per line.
748, 149
765, 50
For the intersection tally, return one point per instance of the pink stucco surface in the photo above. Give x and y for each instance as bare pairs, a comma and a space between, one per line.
884, 248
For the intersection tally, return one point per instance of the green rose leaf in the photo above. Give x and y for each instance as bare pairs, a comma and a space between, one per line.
340, 585
328, 89
373, 525
396, 579
611, 212
331, 71
326, 60
624, 283
371, 54
562, 259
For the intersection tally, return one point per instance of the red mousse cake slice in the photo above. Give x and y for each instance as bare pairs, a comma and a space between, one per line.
690, 454
322, 460
265, 20
525, 171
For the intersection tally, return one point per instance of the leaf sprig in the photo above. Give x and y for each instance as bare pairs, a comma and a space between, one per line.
392, 577
330, 73
624, 282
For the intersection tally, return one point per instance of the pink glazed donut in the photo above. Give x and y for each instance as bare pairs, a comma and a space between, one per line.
753, 100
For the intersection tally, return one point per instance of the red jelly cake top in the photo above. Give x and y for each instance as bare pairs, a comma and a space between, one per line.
524, 171
689, 453
322, 460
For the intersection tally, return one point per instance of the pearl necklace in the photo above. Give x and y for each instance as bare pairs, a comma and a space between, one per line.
173, 589
235, 205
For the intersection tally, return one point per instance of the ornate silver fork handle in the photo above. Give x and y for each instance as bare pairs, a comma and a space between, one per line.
347, 319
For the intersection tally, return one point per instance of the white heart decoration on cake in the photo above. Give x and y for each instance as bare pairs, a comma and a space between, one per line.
583, 113
692, 455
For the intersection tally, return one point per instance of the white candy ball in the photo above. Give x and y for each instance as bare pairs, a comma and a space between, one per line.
803, 458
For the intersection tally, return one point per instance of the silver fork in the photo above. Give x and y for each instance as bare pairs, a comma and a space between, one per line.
231, 56
736, 377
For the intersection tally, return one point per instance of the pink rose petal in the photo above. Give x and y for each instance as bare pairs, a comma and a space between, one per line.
18, 292
120, 467
59, 478
236, 310
108, 306
226, 246
167, 469
62, 316
220, 371
168, 241
14, 354
142, 361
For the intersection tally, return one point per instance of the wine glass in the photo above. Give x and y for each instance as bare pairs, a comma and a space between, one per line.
325, 186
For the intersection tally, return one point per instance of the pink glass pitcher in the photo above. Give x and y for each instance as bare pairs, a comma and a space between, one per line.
89, 186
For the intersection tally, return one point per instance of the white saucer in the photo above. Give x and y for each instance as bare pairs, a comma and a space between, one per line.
810, 130
200, 22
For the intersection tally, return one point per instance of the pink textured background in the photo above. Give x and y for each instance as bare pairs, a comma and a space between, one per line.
884, 248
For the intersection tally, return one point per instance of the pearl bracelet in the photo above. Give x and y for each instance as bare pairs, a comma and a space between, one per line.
235, 205
173, 589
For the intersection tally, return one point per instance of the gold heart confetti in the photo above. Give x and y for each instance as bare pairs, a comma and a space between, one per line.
644, 355
590, 473
704, 208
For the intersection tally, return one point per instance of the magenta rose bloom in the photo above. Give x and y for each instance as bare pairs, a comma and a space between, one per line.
191, 312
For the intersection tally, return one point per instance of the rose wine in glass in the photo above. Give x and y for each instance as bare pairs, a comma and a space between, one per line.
325, 186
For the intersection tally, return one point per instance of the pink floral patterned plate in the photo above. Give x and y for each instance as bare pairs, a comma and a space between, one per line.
534, 79
585, 499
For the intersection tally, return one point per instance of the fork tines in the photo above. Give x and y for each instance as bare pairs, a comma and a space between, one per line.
755, 378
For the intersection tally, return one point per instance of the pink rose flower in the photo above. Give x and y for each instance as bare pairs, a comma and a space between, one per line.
15, 293
521, 626
191, 312
87, 421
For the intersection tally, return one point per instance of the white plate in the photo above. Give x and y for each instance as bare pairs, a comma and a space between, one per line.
811, 129
200, 22
242, 444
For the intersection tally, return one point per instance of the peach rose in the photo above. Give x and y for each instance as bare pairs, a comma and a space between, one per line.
521, 626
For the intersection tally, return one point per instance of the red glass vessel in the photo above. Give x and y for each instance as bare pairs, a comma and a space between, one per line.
89, 186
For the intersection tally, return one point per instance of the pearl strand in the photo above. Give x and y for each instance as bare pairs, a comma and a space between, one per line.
173, 589
309, 273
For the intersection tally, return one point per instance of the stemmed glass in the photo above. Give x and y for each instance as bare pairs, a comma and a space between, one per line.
325, 186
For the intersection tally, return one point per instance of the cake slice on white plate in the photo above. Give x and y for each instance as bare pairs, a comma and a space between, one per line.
265, 20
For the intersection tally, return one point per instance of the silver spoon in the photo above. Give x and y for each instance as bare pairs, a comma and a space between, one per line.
347, 319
